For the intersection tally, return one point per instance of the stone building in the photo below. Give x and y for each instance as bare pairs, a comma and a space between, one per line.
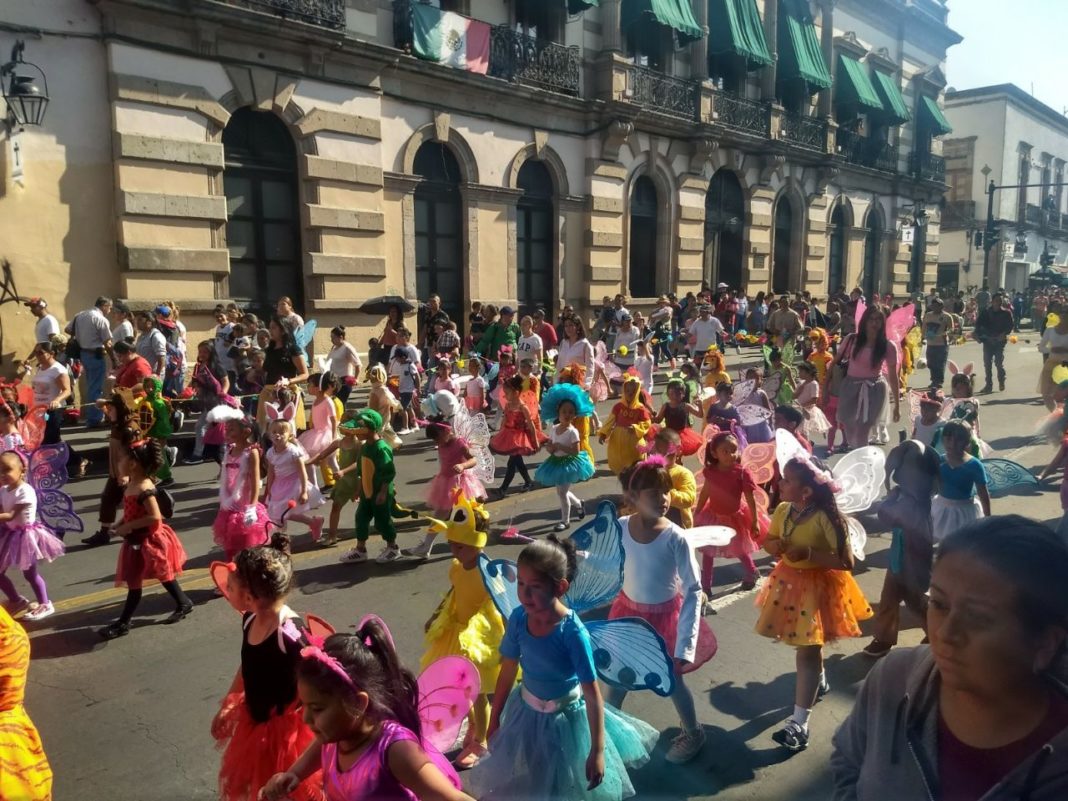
339, 150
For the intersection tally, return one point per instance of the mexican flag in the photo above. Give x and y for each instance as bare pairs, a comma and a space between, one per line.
450, 39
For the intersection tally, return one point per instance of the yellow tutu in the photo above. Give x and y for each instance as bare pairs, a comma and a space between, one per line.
810, 607
24, 771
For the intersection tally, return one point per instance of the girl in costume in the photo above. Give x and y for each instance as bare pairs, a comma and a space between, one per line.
456, 469
323, 429
643, 364
661, 586
362, 704
821, 358
759, 431
781, 375
675, 414
683, 493
242, 520
384, 402
475, 389
691, 380
161, 427
811, 597
626, 427
443, 378
259, 724
962, 494
584, 423
150, 548
466, 622
724, 415
121, 433
554, 737
927, 425
10, 438
715, 368
347, 481
808, 398
290, 494
24, 540
518, 437
507, 369
27, 775
728, 498
567, 463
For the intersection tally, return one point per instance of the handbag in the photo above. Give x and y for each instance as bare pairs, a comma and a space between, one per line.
839, 370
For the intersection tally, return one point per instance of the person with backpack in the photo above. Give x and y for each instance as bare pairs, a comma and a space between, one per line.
151, 345
174, 333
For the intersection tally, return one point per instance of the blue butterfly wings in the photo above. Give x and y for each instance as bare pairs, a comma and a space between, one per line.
1003, 475
627, 652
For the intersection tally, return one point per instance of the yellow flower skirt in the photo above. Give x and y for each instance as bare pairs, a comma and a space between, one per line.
810, 607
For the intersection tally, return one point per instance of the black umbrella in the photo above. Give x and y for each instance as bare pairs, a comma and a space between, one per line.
381, 304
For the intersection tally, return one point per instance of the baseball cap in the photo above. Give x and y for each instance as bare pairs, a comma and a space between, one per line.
163, 311
507, 310
36, 302
625, 317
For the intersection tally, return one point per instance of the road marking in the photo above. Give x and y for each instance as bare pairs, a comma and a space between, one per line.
733, 598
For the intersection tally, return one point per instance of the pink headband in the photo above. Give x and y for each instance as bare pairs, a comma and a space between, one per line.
653, 461
818, 475
315, 651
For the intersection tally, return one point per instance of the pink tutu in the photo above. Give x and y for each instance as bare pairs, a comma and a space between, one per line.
665, 619
439, 493
23, 546
233, 536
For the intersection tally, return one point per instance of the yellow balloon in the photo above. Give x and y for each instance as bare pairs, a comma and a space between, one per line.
623, 350
460, 364
1052, 320
1060, 374
1013, 339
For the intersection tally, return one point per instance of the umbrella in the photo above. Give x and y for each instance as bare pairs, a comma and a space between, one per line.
381, 304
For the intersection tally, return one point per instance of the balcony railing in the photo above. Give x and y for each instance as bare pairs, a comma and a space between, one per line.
807, 132
675, 97
1033, 215
741, 114
520, 58
325, 13
857, 149
928, 167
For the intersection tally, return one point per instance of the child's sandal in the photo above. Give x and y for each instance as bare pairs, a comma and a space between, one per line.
470, 756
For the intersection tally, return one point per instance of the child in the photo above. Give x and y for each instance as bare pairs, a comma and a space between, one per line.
675, 415
466, 622
529, 345
161, 427
810, 598
150, 548
24, 541
290, 495
643, 364
927, 426
518, 437
715, 368
10, 438
962, 496
475, 389
661, 586
255, 377
506, 369
376, 497
626, 427
323, 429
456, 466
584, 423
363, 707
683, 493
242, 520
821, 358
476, 324
808, 398
689, 377
443, 378
785, 375
567, 463
27, 775
728, 499
404, 368
759, 431
964, 406
790, 418
346, 486
384, 402
723, 414
121, 433
554, 737
259, 721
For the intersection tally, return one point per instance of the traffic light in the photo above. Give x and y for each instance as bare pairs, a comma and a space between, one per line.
978, 239
993, 239
1045, 259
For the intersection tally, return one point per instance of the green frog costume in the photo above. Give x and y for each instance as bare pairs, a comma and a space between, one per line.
377, 471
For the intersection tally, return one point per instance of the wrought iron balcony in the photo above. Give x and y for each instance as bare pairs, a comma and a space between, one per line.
1033, 215
325, 13
741, 114
927, 167
675, 97
520, 58
807, 132
857, 149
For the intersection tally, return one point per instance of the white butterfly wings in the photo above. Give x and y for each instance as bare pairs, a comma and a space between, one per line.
475, 430
860, 475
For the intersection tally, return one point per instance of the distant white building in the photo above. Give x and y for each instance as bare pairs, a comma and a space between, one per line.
1004, 135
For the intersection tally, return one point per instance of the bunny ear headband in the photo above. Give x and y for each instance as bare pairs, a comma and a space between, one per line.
324, 364
967, 369
274, 414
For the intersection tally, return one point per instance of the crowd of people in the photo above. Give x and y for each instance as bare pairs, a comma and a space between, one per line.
980, 708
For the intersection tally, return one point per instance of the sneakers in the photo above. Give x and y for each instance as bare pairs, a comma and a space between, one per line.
685, 747
561, 527
420, 551
824, 686
877, 649
354, 555
172, 454
391, 553
792, 736
177, 421
194, 459
19, 605
316, 529
40, 612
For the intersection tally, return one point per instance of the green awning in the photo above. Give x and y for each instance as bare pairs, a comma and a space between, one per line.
735, 28
675, 14
576, 6
934, 117
855, 87
894, 108
800, 54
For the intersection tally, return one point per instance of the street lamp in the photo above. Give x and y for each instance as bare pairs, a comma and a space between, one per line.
26, 99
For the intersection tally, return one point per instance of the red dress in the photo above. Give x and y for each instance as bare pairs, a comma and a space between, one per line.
153, 552
514, 437
727, 506
678, 420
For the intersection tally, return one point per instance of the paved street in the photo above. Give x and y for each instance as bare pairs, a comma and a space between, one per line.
129, 719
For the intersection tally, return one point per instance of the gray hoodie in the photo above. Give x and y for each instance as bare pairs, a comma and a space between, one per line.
887, 749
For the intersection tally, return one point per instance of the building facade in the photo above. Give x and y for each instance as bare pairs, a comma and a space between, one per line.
1003, 135
340, 150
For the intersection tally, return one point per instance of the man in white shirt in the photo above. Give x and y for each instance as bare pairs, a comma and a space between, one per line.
46, 327
93, 332
707, 330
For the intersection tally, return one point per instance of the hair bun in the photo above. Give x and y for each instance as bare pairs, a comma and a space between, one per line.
280, 542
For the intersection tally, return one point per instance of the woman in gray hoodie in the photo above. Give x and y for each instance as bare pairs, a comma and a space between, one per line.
981, 713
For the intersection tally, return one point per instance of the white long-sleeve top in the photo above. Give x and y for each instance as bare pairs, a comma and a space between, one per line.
655, 572
580, 352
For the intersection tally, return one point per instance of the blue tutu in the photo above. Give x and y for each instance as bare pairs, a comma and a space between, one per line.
759, 432
557, 470
541, 756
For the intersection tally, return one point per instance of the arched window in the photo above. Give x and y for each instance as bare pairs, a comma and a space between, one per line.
836, 257
783, 247
872, 243
439, 228
641, 275
535, 238
724, 230
263, 222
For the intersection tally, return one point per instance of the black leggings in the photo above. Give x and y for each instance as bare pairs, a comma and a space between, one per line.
514, 463
133, 598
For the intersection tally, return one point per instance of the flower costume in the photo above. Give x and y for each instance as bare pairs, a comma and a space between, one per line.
560, 469
626, 427
447, 481
26, 774
238, 524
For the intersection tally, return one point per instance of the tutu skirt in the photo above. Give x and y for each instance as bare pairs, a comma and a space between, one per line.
948, 515
478, 639
691, 441
742, 523
815, 423
159, 556
254, 752
558, 470
759, 432
25, 546
515, 442
541, 756
439, 493
233, 535
665, 619
810, 607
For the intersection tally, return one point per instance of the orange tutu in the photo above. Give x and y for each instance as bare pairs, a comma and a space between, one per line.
256, 751
810, 607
